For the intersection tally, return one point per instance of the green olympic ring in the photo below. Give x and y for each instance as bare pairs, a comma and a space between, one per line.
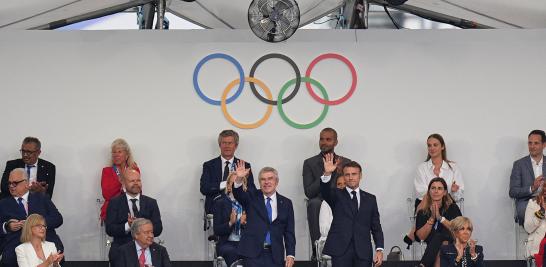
291, 122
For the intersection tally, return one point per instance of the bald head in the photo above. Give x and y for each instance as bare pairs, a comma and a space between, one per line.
131, 181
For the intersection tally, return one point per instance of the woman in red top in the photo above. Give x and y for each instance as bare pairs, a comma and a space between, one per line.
110, 181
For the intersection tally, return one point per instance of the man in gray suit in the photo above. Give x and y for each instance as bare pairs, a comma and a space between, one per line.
313, 169
528, 174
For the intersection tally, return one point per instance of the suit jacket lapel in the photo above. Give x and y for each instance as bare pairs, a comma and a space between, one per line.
132, 259
349, 205
260, 204
156, 259
125, 204
143, 204
530, 167
218, 169
280, 207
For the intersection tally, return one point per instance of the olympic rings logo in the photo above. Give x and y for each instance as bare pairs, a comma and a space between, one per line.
280, 99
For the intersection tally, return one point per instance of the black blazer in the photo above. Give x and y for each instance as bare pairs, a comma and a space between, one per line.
37, 203
127, 256
347, 226
211, 179
281, 230
448, 254
45, 173
222, 214
116, 217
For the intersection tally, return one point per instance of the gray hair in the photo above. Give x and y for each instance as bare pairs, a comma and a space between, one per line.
122, 144
19, 170
269, 169
30, 139
137, 223
228, 133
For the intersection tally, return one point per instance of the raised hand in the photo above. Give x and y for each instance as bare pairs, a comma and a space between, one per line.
130, 219
329, 165
243, 218
241, 171
536, 184
472, 244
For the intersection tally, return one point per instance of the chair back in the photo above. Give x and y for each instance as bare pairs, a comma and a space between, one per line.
238, 263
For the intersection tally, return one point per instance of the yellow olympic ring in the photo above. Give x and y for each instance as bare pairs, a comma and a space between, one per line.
247, 125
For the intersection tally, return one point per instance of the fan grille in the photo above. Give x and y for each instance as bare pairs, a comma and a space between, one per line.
274, 20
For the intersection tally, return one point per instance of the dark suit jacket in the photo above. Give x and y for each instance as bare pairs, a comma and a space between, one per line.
128, 257
281, 230
347, 226
45, 173
211, 179
37, 203
521, 180
448, 254
313, 168
116, 217
222, 214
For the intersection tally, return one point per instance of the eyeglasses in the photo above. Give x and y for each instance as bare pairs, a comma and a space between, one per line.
16, 183
27, 152
41, 226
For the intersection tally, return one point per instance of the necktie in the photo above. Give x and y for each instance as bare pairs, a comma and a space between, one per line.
270, 216
355, 201
142, 257
21, 205
28, 170
134, 207
226, 171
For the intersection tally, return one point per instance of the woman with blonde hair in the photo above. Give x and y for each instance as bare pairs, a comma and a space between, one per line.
229, 219
34, 251
122, 159
463, 252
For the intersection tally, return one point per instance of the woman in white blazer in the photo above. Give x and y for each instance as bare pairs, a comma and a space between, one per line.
34, 251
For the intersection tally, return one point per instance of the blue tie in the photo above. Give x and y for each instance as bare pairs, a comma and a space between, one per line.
21, 205
28, 170
269, 215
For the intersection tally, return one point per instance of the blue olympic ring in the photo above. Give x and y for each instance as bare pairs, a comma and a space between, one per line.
228, 58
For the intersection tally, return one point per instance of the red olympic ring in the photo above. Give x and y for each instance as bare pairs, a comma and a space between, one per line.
353, 74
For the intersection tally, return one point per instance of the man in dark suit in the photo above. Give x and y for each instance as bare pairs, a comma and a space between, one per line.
125, 208
41, 172
528, 173
143, 251
269, 232
14, 211
215, 171
355, 215
313, 169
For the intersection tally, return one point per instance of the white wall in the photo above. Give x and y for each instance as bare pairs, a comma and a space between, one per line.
77, 91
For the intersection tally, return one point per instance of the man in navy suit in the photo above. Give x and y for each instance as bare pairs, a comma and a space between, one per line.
215, 171
355, 215
125, 208
528, 173
269, 232
14, 211
143, 251
41, 173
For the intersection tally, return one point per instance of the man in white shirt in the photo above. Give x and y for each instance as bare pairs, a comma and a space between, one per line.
528, 173
215, 171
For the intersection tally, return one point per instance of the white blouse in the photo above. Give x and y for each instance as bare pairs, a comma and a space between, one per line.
26, 256
425, 173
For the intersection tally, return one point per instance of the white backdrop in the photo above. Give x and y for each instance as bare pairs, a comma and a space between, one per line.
78, 91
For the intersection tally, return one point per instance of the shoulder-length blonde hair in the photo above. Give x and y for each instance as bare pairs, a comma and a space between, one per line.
31, 221
424, 206
122, 144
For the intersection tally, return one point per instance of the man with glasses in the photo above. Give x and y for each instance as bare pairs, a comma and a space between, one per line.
40, 172
15, 209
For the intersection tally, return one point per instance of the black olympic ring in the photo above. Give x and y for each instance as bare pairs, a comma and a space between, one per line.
296, 70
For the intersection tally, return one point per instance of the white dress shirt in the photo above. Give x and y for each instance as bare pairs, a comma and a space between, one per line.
33, 172
537, 166
425, 173
147, 253
223, 184
130, 203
